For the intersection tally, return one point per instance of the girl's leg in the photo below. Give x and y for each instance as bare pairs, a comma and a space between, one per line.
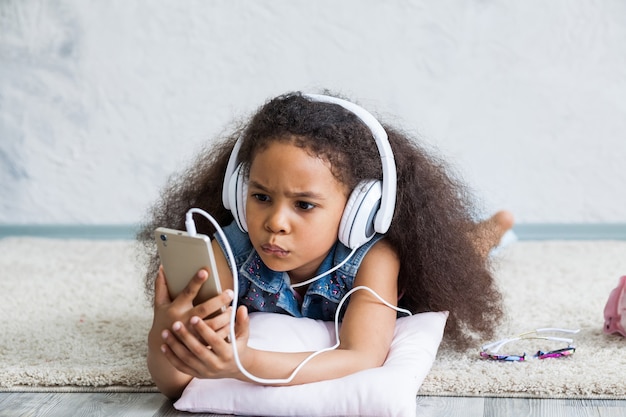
488, 233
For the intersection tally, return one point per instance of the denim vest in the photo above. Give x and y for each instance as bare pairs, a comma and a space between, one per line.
262, 289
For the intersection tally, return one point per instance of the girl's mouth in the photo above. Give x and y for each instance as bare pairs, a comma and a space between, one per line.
274, 250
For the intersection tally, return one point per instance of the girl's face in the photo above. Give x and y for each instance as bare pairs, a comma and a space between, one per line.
293, 209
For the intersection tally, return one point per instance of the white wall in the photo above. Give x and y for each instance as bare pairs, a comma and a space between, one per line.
101, 100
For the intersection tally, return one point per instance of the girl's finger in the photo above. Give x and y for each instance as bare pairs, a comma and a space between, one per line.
176, 362
212, 306
222, 320
242, 323
219, 340
188, 348
220, 328
212, 338
190, 292
161, 292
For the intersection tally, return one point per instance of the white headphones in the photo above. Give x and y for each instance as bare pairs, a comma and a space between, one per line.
371, 204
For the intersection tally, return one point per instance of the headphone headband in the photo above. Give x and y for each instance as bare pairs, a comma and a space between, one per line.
388, 199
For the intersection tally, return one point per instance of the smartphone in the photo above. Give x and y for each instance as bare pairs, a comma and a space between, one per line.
182, 256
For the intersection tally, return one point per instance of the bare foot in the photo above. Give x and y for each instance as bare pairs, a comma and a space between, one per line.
488, 233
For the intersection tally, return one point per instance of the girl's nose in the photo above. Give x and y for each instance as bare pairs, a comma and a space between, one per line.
278, 220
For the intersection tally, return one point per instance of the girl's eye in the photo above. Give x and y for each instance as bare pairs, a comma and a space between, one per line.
261, 197
303, 205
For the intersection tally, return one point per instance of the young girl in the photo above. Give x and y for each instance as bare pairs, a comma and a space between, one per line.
303, 160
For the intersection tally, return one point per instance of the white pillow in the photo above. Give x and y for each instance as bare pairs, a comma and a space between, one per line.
389, 390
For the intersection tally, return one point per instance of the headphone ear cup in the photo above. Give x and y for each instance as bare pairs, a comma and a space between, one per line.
357, 223
237, 195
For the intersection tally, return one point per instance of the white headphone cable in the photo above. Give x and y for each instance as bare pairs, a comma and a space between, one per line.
333, 269
191, 230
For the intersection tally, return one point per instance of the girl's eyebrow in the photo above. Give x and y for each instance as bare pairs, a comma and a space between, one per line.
302, 194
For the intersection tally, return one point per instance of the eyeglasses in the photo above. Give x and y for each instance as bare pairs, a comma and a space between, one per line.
490, 350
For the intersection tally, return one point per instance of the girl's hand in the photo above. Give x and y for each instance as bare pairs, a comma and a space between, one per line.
168, 379
209, 354
181, 309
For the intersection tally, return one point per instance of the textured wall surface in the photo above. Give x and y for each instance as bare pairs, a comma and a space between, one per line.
101, 101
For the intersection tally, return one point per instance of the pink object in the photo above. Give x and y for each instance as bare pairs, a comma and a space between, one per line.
615, 310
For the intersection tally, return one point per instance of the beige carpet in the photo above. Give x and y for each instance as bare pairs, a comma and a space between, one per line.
547, 284
73, 315
74, 318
